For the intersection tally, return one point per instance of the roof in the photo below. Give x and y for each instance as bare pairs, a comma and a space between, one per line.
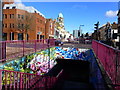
114, 26
60, 15
21, 6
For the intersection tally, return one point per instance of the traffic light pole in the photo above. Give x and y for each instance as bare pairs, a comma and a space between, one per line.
96, 27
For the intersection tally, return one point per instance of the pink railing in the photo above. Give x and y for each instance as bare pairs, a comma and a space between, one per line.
18, 80
13, 49
110, 59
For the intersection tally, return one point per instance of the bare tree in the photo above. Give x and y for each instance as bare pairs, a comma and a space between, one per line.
26, 24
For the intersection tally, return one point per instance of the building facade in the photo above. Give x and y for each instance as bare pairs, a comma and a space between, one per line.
108, 33
22, 23
76, 33
49, 28
27, 23
118, 34
60, 32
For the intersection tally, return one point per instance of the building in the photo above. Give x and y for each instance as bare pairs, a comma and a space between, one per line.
22, 23
76, 33
102, 32
118, 34
49, 28
60, 32
107, 33
25, 23
114, 32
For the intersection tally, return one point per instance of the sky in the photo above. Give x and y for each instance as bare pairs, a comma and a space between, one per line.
79, 13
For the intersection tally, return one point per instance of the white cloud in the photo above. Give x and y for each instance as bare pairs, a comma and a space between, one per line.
111, 13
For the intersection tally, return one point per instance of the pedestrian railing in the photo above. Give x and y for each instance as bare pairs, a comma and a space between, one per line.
18, 80
110, 59
13, 49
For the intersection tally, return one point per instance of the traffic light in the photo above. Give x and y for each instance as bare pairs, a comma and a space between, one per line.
78, 33
96, 25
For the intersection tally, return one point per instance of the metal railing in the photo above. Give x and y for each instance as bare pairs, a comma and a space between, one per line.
24, 81
110, 59
13, 49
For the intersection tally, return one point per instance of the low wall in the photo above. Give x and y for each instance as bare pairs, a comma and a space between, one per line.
38, 63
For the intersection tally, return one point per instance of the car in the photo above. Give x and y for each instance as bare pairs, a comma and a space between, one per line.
88, 41
58, 43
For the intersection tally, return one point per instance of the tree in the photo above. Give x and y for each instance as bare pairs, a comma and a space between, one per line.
86, 35
26, 24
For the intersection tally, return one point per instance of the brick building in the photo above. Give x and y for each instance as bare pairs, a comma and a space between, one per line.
49, 28
23, 23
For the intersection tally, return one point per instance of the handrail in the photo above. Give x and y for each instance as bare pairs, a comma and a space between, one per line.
109, 58
16, 80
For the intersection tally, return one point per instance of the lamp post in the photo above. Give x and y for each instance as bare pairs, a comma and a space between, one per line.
80, 32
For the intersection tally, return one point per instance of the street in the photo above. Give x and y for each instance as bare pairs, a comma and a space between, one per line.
77, 45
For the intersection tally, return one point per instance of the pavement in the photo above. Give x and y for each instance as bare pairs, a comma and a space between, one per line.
77, 45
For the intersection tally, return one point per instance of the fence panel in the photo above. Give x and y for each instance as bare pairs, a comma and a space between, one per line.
15, 80
110, 60
13, 49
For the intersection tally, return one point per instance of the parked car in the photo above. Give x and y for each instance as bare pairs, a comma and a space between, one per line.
58, 43
88, 41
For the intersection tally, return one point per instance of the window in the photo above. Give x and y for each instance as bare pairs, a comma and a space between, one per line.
41, 36
22, 16
13, 7
10, 25
18, 15
20, 36
5, 25
7, 7
22, 26
40, 21
4, 36
5, 16
11, 15
18, 25
37, 36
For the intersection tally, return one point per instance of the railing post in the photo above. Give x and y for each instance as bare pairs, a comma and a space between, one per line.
0, 79
21, 81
